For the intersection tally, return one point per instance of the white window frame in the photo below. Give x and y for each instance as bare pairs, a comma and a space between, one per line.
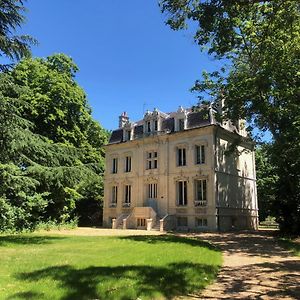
127, 195
114, 167
151, 160
181, 156
200, 196
152, 191
182, 192
128, 165
114, 196
200, 156
181, 124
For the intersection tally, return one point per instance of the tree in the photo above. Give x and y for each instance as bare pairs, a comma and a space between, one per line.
51, 148
267, 180
261, 42
11, 17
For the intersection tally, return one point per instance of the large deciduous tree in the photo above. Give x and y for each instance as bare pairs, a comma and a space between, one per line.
261, 42
13, 46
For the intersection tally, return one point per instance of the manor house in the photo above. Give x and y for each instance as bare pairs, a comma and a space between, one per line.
179, 170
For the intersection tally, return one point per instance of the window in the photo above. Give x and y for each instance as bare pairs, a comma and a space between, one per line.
152, 160
181, 157
114, 196
182, 221
201, 222
128, 164
141, 222
156, 125
128, 135
180, 124
127, 195
148, 126
182, 193
152, 191
200, 192
200, 154
115, 165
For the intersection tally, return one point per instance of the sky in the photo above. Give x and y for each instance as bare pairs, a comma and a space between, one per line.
128, 59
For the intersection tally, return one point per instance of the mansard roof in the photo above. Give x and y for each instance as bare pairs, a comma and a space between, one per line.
197, 119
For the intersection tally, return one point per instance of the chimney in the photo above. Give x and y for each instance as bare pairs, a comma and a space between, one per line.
123, 119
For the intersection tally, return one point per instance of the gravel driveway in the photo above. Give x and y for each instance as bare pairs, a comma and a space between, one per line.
255, 267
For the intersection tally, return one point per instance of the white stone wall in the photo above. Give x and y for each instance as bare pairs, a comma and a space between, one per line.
226, 184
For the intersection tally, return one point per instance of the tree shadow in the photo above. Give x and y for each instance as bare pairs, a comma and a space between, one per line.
259, 243
171, 239
27, 240
124, 282
277, 280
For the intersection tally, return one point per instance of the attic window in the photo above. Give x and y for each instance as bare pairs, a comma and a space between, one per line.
128, 135
181, 124
148, 124
156, 125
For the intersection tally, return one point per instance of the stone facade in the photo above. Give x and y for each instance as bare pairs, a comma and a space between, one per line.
175, 171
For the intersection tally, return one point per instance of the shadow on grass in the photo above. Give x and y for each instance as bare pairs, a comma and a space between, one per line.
171, 239
124, 282
27, 239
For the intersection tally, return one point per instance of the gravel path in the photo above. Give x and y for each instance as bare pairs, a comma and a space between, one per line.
255, 267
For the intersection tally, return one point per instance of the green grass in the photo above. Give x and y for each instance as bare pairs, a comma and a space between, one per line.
290, 245
137, 267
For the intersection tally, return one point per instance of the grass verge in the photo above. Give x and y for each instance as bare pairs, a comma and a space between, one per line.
129, 267
291, 245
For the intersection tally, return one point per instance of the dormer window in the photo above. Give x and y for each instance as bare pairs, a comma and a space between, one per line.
128, 135
156, 125
181, 119
181, 124
148, 126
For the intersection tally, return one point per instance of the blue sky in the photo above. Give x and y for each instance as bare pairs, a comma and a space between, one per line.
129, 60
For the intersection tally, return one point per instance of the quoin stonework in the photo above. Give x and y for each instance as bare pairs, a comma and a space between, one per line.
180, 171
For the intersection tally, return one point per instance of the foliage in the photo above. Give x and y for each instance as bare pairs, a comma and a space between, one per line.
49, 159
261, 42
12, 17
136, 267
266, 181
290, 244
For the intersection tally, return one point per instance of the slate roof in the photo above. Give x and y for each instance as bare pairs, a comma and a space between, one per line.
194, 120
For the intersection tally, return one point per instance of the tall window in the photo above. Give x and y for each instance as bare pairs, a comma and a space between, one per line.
128, 164
115, 165
181, 157
152, 191
156, 125
200, 192
152, 160
127, 195
182, 193
128, 135
181, 124
114, 196
200, 154
148, 126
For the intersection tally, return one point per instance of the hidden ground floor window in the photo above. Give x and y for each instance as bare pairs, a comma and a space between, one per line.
141, 222
182, 221
201, 222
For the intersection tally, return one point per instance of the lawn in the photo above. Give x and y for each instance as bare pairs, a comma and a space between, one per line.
129, 267
291, 245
